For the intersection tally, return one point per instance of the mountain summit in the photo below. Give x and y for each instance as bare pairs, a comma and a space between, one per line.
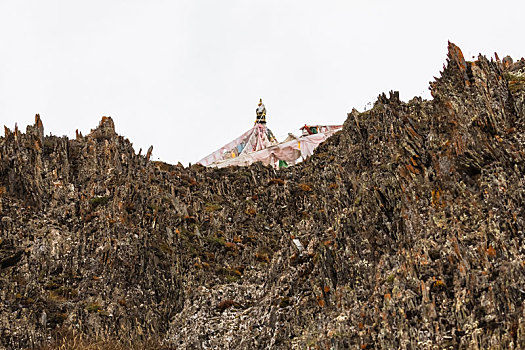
403, 230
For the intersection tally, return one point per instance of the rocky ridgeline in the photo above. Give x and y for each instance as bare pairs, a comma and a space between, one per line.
404, 230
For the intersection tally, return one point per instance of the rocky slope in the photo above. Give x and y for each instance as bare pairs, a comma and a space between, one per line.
405, 230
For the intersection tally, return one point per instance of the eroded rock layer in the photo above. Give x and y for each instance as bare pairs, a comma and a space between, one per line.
405, 230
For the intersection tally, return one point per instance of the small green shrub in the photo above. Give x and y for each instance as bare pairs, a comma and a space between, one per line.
216, 241
94, 307
98, 201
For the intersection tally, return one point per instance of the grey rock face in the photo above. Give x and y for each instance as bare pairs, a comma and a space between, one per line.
404, 230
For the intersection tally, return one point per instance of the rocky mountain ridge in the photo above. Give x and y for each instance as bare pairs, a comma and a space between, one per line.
404, 230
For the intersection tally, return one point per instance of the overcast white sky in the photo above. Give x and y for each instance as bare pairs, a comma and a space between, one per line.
186, 75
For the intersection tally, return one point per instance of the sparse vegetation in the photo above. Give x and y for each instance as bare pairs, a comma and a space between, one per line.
64, 339
216, 241
99, 201
407, 224
516, 82
94, 307
211, 207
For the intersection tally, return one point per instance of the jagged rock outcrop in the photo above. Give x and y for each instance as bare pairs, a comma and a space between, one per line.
405, 230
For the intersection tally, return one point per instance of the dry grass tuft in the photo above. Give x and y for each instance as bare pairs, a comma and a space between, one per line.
70, 340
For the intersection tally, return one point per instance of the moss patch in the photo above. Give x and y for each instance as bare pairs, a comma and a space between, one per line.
98, 201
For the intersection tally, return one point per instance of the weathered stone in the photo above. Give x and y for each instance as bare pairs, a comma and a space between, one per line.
404, 230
